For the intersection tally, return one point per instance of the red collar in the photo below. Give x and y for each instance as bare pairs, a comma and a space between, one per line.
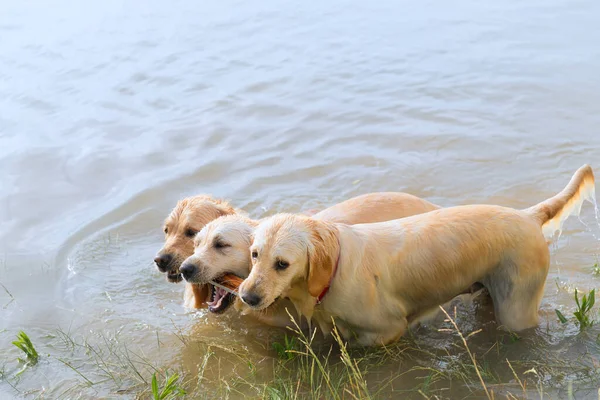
324, 292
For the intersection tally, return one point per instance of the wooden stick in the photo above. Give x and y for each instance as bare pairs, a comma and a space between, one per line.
231, 281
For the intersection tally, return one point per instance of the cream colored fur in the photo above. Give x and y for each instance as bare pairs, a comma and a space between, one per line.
221, 247
188, 217
390, 274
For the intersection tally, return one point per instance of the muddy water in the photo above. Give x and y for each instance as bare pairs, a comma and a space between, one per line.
111, 111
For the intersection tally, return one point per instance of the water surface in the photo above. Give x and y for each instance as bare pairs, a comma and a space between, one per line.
112, 111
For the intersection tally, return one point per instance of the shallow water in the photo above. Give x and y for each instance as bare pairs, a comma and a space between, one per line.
112, 111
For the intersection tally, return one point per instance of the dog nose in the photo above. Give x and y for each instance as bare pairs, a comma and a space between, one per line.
162, 261
187, 270
251, 299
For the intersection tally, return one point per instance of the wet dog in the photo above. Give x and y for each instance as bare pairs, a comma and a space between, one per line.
374, 280
188, 217
221, 247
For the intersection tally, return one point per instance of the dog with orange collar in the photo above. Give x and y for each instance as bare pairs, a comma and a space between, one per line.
377, 279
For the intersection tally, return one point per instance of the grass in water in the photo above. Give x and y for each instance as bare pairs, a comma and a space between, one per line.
584, 308
170, 388
471, 355
12, 298
303, 369
31, 355
561, 316
285, 350
299, 367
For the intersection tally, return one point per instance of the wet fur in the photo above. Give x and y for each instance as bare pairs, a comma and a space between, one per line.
191, 213
391, 274
236, 231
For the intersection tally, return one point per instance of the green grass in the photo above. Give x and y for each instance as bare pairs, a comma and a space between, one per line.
286, 350
561, 316
170, 389
310, 373
12, 298
583, 310
449, 363
31, 355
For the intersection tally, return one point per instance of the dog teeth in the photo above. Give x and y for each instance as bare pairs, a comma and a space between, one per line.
215, 304
218, 305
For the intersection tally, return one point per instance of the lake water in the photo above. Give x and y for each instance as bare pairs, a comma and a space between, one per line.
112, 111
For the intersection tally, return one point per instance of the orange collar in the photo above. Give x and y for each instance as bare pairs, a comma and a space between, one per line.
324, 292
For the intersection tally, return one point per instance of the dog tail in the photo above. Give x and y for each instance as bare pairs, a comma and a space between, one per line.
553, 212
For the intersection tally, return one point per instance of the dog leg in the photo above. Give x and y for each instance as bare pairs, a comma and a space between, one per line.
517, 289
520, 311
392, 334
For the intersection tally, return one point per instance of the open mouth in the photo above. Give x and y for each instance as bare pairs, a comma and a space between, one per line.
220, 300
222, 291
174, 277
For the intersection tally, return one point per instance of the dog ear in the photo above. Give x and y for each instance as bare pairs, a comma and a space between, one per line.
224, 209
221, 207
321, 260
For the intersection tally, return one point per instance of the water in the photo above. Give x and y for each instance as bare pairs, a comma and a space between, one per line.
112, 111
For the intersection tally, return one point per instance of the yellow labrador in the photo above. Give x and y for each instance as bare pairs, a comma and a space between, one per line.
376, 279
221, 247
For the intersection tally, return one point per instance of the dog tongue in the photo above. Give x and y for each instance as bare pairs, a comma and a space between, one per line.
219, 296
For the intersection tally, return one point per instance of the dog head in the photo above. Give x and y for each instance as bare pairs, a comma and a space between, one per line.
220, 248
289, 250
188, 217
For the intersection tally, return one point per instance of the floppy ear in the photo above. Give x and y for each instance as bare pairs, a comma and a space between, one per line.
221, 207
224, 209
321, 259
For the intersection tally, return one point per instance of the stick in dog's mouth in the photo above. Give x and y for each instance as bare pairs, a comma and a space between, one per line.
222, 292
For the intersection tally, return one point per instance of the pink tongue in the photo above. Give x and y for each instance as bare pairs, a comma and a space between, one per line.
219, 295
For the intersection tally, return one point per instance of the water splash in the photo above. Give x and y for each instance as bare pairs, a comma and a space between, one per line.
596, 210
597, 216
585, 192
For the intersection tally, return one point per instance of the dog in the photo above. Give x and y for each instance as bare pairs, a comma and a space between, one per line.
188, 217
191, 214
375, 280
221, 247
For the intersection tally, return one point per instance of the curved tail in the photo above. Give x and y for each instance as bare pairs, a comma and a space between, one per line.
553, 212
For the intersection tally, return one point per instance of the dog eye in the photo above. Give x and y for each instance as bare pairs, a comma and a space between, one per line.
220, 245
281, 265
166, 230
190, 233
254, 254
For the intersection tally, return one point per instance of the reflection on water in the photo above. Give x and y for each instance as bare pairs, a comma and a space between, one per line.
110, 112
